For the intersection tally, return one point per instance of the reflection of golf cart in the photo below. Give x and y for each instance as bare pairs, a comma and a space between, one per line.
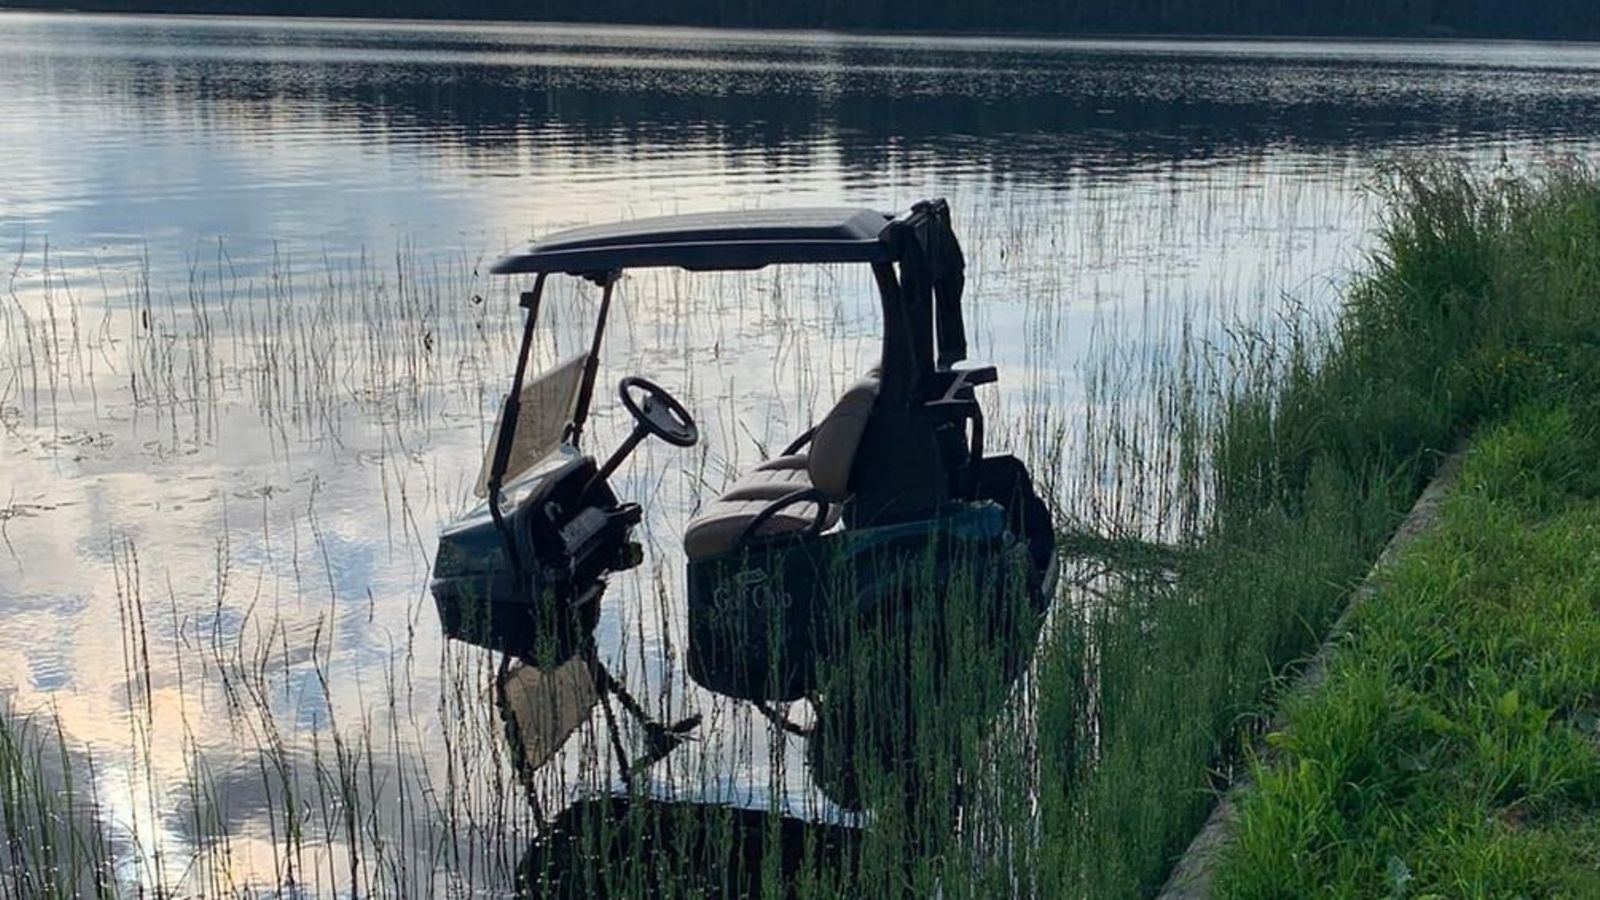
893, 480
632, 844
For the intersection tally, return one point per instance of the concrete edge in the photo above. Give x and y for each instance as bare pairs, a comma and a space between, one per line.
1190, 878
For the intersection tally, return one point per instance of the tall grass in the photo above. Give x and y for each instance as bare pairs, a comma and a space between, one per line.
1445, 753
1318, 441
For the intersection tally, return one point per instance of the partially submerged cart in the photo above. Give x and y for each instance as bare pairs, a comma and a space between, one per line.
890, 501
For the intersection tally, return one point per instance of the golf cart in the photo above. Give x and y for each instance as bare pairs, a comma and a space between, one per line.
892, 486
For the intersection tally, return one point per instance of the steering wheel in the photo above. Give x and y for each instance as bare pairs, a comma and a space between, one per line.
658, 412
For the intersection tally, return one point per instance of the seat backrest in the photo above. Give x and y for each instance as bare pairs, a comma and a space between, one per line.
838, 436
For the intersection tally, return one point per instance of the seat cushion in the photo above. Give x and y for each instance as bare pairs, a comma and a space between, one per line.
772, 479
792, 461
718, 526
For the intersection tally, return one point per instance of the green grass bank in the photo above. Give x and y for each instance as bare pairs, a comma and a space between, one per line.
1480, 301
1454, 750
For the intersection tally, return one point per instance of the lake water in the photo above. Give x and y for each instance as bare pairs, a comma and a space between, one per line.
251, 352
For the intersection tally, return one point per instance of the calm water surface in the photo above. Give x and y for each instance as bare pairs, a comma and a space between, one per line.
249, 348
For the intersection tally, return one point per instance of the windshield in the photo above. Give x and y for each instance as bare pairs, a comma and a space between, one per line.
547, 402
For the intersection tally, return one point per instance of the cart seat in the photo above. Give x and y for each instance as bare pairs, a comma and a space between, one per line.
717, 528
825, 469
773, 478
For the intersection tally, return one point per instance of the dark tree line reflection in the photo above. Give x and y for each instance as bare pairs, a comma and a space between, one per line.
1022, 113
1482, 18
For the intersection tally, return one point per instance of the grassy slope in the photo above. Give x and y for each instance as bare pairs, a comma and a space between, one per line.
1481, 301
1454, 750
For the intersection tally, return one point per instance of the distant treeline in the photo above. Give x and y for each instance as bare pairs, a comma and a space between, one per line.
1576, 19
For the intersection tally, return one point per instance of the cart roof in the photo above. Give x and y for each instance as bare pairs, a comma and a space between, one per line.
748, 239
